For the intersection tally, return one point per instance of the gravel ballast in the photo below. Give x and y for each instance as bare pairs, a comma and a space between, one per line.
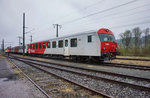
53, 86
112, 89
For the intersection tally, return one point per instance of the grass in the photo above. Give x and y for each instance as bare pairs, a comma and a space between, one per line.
134, 53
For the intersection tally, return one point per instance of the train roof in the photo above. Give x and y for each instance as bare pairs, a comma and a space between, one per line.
105, 31
102, 30
70, 35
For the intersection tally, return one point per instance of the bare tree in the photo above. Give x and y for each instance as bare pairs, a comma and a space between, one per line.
137, 35
146, 39
126, 38
137, 41
134, 41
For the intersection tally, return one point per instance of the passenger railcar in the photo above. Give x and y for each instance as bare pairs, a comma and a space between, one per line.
93, 45
17, 49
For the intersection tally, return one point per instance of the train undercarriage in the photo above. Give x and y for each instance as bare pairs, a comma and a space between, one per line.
76, 58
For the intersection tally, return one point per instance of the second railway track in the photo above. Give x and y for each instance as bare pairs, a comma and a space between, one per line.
89, 76
118, 65
133, 59
131, 66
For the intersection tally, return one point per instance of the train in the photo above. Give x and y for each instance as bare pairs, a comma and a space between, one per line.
89, 45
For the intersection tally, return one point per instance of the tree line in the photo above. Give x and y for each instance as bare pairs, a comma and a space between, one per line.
135, 42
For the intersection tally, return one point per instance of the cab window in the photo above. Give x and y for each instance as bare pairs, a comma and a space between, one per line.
106, 37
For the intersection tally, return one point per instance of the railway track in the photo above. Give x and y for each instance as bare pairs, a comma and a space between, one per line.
123, 80
59, 76
133, 59
119, 65
30, 79
131, 66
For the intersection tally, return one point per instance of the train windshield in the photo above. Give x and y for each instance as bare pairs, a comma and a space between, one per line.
106, 37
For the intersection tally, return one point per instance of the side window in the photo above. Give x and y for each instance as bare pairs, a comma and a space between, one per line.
60, 43
74, 42
54, 44
40, 45
89, 38
48, 45
33, 46
30, 46
66, 43
36, 46
43, 45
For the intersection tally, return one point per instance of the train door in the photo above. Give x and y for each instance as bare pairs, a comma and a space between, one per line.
66, 47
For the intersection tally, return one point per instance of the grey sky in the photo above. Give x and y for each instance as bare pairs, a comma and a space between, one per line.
42, 14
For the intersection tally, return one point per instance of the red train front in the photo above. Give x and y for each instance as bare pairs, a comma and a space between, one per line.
108, 44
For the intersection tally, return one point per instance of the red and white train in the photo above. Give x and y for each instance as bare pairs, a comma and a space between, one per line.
95, 45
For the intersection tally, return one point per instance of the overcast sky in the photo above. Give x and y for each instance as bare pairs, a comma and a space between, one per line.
74, 15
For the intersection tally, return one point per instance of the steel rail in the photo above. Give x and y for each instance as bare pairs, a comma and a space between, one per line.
95, 77
133, 59
93, 70
92, 76
139, 67
131, 66
30, 79
86, 87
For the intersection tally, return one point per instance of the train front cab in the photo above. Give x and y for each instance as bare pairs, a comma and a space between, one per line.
108, 44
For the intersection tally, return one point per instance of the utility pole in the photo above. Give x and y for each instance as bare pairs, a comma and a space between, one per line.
31, 38
57, 25
3, 45
19, 40
23, 34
